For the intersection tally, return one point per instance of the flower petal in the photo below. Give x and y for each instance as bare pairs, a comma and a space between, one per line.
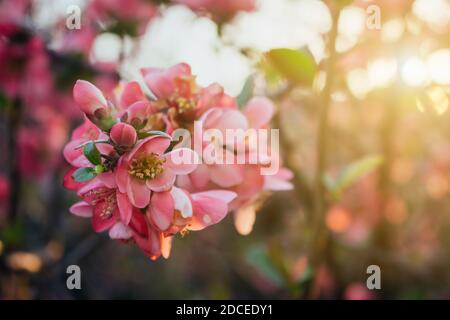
244, 219
153, 144
108, 179
226, 175
279, 181
74, 155
166, 246
182, 202
120, 231
259, 111
138, 193
131, 93
200, 176
100, 220
81, 209
125, 207
122, 176
162, 81
163, 182
208, 210
88, 97
161, 210
224, 195
181, 160
69, 182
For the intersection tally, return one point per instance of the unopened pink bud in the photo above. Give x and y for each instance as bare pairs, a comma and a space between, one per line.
123, 134
89, 98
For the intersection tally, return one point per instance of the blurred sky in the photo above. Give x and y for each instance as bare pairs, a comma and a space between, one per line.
179, 35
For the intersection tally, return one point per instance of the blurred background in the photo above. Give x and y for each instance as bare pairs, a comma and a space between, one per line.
362, 95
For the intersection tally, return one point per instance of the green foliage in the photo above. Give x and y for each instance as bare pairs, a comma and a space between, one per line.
5, 102
259, 258
297, 66
247, 92
13, 234
84, 174
350, 174
124, 28
92, 154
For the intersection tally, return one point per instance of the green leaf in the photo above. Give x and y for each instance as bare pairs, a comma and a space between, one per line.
84, 174
14, 233
92, 154
153, 133
351, 174
4, 101
259, 258
297, 66
247, 92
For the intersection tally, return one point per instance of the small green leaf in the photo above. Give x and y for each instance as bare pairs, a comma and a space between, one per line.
351, 174
297, 66
99, 169
4, 101
247, 92
14, 233
84, 174
92, 154
153, 133
260, 259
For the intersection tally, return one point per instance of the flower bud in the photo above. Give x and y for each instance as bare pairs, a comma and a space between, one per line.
89, 98
123, 135
94, 104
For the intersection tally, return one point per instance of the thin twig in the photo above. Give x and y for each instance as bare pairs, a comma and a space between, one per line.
15, 115
320, 236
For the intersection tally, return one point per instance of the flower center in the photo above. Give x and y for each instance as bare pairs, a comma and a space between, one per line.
110, 206
147, 167
184, 105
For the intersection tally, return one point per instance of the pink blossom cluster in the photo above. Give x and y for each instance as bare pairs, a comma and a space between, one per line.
123, 166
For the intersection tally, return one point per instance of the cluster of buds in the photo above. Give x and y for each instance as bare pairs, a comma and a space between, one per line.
139, 182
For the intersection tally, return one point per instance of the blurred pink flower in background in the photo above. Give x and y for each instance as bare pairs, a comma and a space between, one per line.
220, 10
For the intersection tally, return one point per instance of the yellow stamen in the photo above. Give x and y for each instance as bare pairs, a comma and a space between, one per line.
147, 167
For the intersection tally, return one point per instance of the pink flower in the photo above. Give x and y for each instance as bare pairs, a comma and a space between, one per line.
150, 240
123, 135
213, 169
135, 13
84, 133
163, 82
106, 205
358, 291
184, 100
140, 185
130, 92
148, 168
177, 210
4, 195
259, 111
